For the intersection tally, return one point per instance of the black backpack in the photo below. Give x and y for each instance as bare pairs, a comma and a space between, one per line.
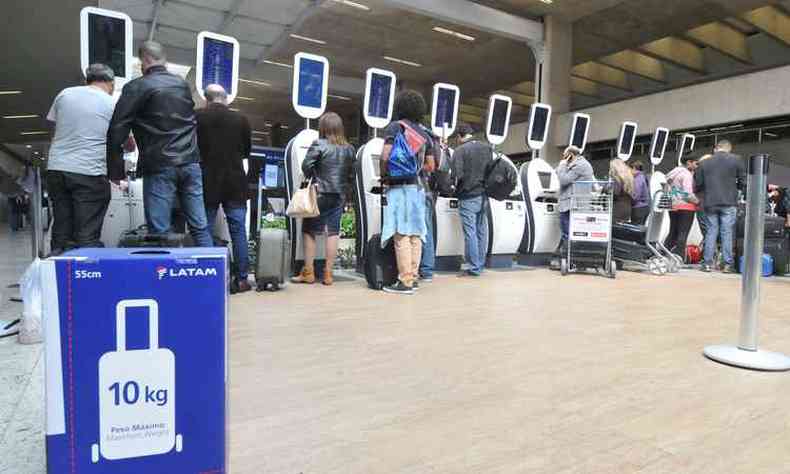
500, 179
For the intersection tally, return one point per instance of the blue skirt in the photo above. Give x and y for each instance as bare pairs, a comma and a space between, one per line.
404, 213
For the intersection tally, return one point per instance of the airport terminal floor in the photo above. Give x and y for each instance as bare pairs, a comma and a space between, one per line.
519, 371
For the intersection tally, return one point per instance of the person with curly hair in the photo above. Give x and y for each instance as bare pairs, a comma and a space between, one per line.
404, 215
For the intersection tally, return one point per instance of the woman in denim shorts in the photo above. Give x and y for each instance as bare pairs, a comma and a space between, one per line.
330, 164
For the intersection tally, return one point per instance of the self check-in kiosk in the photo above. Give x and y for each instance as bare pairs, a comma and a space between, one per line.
378, 107
658, 179
309, 93
625, 144
507, 218
106, 38
448, 232
541, 189
687, 143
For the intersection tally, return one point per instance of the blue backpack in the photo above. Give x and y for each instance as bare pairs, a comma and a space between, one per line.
407, 150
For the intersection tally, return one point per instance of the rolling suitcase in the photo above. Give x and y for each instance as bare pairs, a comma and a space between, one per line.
142, 238
273, 258
381, 267
629, 232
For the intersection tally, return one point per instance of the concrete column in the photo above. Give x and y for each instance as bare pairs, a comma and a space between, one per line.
553, 81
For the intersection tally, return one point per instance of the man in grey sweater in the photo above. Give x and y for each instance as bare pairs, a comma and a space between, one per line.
574, 167
719, 178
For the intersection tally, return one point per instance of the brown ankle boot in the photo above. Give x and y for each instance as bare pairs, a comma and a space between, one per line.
328, 280
307, 276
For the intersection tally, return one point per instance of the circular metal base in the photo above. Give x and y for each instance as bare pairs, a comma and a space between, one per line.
756, 360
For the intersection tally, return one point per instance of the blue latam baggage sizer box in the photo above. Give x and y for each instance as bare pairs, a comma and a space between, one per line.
136, 361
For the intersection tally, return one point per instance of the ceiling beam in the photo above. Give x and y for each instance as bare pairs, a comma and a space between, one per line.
678, 52
470, 118
602, 74
638, 64
478, 102
233, 12
519, 99
724, 39
471, 109
584, 87
477, 16
526, 88
279, 44
155, 21
771, 21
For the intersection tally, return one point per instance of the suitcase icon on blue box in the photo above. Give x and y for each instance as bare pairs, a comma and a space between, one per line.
137, 394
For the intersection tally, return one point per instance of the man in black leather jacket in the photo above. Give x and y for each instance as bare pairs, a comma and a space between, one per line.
158, 108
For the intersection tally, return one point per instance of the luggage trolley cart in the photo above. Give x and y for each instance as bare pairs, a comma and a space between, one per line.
589, 245
642, 246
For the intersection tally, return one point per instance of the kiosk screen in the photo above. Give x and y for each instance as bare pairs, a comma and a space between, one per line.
499, 117
661, 140
628, 140
579, 132
311, 83
545, 180
379, 103
688, 144
541, 122
218, 63
107, 37
445, 108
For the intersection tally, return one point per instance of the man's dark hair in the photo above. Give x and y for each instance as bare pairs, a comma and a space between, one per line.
684, 161
637, 165
465, 129
99, 73
724, 145
410, 105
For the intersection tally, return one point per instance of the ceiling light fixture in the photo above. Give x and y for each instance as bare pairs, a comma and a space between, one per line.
285, 127
250, 99
402, 61
309, 40
275, 63
439, 29
10, 92
235, 110
349, 3
37, 132
339, 97
548, 2
258, 132
28, 146
9, 117
255, 83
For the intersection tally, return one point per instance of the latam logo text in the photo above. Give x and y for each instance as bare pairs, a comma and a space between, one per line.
162, 272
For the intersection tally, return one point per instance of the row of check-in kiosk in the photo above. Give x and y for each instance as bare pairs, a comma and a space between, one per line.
524, 227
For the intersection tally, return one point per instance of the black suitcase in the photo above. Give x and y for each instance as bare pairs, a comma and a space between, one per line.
142, 238
381, 268
631, 251
778, 249
629, 232
774, 225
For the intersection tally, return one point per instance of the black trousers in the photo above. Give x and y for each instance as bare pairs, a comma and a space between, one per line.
639, 215
680, 223
79, 203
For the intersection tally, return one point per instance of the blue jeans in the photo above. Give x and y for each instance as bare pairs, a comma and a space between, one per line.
160, 191
236, 216
720, 222
428, 252
565, 225
475, 225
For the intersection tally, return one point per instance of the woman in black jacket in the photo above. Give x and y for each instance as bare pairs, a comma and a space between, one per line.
330, 164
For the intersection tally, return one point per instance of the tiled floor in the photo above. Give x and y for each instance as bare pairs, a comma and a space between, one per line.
515, 372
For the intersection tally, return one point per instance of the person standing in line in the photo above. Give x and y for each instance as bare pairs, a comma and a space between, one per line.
225, 141
429, 179
623, 190
470, 162
684, 205
77, 169
330, 163
640, 210
720, 178
158, 107
701, 219
574, 167
404, 214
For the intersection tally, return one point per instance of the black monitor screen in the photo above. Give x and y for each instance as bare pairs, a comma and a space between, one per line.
379, 102
545, 179
626, 145
499, 117
311, 83
660, 141
539, 124
445, 108
688, 144
107, 40
218, 63
579, 132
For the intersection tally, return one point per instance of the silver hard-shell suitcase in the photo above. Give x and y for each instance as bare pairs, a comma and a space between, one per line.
274, 259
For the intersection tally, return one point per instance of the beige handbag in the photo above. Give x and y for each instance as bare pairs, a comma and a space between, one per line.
304, 202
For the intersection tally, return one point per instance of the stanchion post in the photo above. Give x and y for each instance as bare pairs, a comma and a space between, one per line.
746, 354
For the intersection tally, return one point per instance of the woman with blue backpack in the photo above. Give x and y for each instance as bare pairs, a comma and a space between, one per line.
408, 150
